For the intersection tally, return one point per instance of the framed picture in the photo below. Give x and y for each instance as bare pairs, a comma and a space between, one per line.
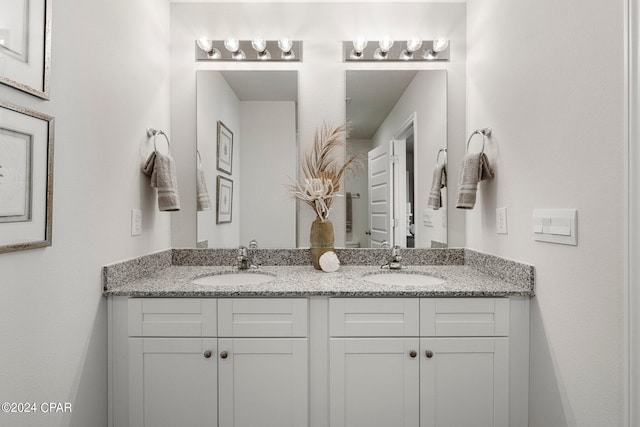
225, 148
25, 45
224, 200
26, 178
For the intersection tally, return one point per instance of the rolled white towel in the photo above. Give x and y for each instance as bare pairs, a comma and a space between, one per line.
329, 262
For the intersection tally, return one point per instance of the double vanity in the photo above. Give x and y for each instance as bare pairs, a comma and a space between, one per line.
194, 341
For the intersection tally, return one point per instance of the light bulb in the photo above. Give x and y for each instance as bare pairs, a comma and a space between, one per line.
260, 45
358, 47
381, 52
205, 44
232, 45
286, 46
412, 46
385, 44
440, 45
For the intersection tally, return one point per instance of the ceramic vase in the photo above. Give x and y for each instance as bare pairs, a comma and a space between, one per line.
321, 240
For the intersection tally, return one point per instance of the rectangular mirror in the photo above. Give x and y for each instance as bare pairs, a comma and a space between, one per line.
399, 124
247, 138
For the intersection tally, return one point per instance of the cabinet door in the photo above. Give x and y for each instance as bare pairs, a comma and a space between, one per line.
464, 382
263, 382
374, 382
172, 382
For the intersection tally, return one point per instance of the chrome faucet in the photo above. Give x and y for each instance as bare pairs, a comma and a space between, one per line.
244, 263
394, 261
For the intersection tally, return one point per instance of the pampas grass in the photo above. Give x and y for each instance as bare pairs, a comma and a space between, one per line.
323, 168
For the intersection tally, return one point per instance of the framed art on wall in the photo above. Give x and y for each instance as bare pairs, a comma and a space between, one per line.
224, 200
25, 45
26, 178
225, 148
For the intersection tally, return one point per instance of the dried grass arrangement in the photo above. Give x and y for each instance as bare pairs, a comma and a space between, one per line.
323, 167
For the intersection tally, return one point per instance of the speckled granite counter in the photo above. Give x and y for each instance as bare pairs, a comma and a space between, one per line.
466, 273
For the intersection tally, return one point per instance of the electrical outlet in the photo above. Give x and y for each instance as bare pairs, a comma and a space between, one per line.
136, 222
501, 221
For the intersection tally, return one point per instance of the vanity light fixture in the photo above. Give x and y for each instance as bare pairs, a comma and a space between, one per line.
258, 49
386, 50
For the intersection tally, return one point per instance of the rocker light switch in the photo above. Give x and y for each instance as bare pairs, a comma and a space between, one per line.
556, 226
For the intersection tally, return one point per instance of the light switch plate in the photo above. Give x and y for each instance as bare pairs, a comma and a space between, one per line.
556, 226
136, 222
501, 221
427, 218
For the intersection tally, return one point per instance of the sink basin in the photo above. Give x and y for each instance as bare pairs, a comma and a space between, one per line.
404, 279
233, 278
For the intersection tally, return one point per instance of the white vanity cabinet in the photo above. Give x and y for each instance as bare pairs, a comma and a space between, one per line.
217, 362
420, 362
374, 365
172, 362
263, 362
318, 361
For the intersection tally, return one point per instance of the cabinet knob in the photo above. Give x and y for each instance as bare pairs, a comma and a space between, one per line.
412, 354
429, 354
207, 354
224, 355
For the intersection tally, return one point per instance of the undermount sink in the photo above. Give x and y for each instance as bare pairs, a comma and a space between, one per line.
234, 278
403, 279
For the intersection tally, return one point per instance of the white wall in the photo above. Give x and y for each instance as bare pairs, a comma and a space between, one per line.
547, 76
321, 79
217, 101
268, 166
108, 86
426, 96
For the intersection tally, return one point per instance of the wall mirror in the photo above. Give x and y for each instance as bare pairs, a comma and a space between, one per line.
399, 124
246, 122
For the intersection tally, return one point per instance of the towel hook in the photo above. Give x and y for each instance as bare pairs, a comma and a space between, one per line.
153, 133
484, 132
444, 152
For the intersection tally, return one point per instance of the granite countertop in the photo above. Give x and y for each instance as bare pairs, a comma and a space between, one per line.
290, 281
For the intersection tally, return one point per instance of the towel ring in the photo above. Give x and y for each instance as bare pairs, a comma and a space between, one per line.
444, 152
154, 133
484, 132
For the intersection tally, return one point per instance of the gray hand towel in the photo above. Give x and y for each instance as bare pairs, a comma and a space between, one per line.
439, 182
203, 199
162, 170
475, 168
349, 219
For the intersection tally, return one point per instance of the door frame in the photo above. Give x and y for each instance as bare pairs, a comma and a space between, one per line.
631, 302
409, 127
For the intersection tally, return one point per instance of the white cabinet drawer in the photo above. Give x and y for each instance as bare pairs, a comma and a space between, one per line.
458, 317
172, 317
373, 317
263, 317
